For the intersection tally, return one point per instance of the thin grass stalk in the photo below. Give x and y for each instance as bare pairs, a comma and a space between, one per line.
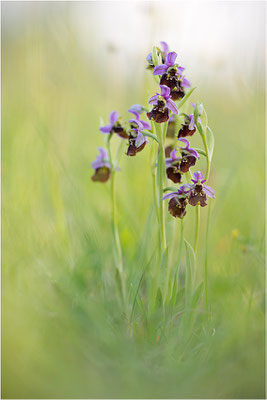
115, 232
206, 262
175, 283
180, 250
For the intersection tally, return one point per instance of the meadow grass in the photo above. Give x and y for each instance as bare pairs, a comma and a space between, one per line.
64, 332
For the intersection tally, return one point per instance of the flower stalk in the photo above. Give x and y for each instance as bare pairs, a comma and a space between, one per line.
161, 176
204, 140
197, 227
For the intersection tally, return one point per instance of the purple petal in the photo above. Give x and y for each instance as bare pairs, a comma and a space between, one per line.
191, 125
180, 70
136, 114
173, 154
113, 117
96, 164
153, 99
182, 189
171, 57
197, 176
99, 161
160, 69
165, 91
106, 128
165, 47
193, 105
172, 106
136, 108
188, 148
146, 125
170, 195
186, 83
138, 123
186, 143
102, 152
168, 162
209, 191
149, 58
193, 152
140, 139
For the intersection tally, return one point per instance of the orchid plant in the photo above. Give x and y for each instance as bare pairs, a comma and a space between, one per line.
172, 162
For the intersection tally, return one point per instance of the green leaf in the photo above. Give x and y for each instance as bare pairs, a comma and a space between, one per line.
136, 294
197, 295
180, 295
197, 113
202, 152
170, 189
200, 108
149, 134
118, 280
204, 119
155, 56
159, 299
210, 142
141, 305
185, 98
174, 291
164, 257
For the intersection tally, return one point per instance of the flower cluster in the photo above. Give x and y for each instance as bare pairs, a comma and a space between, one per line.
179, 160
130, 130
164, 119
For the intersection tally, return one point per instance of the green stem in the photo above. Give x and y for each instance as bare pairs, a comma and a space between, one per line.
180, 251
161, 178
174, 284
153, 173
206, 261
164, 131
114, 223
181, 241
207, 157
197, 227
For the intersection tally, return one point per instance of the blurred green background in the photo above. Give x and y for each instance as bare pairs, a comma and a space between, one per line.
65, 65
